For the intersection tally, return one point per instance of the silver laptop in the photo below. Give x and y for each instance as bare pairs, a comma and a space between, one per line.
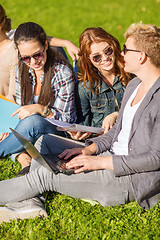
51, 161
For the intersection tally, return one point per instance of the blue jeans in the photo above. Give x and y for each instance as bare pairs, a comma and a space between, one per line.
32, 128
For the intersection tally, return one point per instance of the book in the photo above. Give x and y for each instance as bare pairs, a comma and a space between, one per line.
74, 127
7, 107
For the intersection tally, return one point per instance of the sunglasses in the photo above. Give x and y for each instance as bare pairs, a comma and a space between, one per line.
36, 56
124, 50
107, 51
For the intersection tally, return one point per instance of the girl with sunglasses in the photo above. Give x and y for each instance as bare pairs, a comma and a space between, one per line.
8, 55
45, 87
102, 79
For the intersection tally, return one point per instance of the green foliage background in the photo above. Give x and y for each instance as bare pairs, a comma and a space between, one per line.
69, 18
71, 218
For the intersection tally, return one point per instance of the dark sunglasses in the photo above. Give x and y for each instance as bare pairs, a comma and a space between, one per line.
36, 56
124, 50
107, 51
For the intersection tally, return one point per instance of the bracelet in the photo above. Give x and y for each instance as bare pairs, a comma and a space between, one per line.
46, 112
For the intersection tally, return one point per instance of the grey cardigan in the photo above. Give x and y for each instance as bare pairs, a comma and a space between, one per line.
143, 160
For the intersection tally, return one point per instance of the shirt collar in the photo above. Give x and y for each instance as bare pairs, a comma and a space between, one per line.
33, 78
104, 86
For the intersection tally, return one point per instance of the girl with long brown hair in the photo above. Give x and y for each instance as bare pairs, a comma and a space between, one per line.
45, 87
102, 79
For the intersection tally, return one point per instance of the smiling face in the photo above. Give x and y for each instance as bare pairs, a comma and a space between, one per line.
102, 56
33, 48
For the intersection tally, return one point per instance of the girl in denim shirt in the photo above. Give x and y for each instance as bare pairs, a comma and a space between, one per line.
102, 79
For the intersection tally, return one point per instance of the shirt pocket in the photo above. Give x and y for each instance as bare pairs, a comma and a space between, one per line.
99, 105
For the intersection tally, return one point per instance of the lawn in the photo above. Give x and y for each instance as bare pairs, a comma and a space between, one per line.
70, 218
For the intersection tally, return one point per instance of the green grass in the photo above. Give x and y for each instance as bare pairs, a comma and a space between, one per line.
71, 218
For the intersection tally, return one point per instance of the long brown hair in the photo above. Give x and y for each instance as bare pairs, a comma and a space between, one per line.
5, 22
88, 72
32, 31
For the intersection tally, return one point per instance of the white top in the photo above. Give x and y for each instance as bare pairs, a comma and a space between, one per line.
35, 98
121, 146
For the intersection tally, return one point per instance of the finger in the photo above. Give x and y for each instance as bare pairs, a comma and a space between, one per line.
3, 136
106, 128
85, 135
15, 112
77, 161
80, 169
75, 135
63, 154
77, 56
78, 135
22, 116
72, 134
68, 153
72, 56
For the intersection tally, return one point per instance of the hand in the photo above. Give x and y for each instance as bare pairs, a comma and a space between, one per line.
89, 150
28, 110
79, 135
83, 163
3, 136
109, 121
67, 153
72, 49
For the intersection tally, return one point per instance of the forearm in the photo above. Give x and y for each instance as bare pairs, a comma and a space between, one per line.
107, 163
71, 47
135, 163
90, 150
58, 42
104, 141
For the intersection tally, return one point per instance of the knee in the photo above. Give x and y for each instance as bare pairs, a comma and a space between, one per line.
42, 178
30, 122
42, 144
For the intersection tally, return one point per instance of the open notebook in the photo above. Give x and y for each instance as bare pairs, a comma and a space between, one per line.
74, 127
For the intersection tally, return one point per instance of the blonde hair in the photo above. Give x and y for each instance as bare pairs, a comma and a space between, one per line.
147, 39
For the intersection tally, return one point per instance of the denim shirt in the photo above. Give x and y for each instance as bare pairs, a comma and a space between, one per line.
93, 108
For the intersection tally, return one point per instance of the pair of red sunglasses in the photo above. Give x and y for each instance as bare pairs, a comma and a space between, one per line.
36, 56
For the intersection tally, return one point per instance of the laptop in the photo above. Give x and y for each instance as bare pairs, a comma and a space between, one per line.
50, 161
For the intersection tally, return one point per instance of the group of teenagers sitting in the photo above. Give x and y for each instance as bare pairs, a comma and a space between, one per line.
117, 89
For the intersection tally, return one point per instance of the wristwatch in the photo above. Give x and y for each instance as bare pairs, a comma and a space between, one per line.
46, 112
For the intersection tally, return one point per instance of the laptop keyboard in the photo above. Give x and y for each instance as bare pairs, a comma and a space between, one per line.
57, 164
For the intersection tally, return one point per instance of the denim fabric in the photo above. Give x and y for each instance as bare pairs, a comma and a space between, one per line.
32, 128
93, 108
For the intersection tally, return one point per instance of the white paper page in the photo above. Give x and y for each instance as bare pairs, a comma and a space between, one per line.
64, 126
